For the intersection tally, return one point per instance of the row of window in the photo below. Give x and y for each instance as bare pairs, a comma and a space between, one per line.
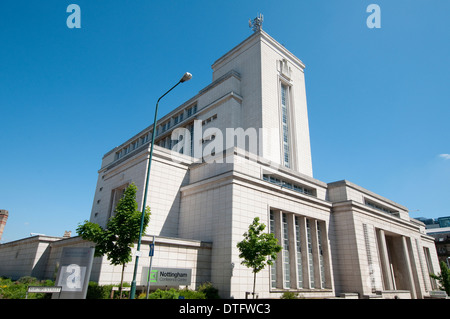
380, 208
288, 279
176, 119
133, 145
159, 130
168, 142
289, 185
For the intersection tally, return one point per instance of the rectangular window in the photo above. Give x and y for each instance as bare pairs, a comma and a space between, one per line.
286, 262
426, 251
321, 261
299, 253
381, 208
310, 254
116, 195
289, 185
285, 124
135, 145
145, 138
191, 132
273, 268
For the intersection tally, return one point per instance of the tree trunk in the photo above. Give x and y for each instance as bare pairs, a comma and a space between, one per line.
254, 284
121, 282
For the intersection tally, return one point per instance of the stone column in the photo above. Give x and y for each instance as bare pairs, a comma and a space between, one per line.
386, 269
408, 270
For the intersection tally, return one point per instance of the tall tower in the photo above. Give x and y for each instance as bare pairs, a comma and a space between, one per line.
274, 98
3, 218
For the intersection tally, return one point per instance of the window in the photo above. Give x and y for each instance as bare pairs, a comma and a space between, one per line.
273, 268
192, 110
321, 262
191, 132
209, 119
285, 124
299, 253
302, 262
145, 138
289, 185
310, 254
286, 262
380, 208
116, 195
426, 251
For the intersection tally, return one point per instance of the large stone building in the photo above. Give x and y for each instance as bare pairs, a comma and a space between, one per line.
240, 149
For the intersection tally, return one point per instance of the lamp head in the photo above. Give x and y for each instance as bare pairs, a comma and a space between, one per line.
186, 77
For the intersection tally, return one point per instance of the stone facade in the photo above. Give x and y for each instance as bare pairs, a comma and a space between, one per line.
338, 239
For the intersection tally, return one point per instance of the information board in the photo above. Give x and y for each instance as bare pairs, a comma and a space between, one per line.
169, 276
74, 272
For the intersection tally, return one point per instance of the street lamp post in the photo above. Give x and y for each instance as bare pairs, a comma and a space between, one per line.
186, 77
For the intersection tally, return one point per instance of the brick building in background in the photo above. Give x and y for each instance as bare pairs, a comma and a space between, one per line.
3, 219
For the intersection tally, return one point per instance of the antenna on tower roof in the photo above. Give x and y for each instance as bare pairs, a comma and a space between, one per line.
256, 23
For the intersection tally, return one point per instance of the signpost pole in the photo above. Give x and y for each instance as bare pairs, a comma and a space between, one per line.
152, 252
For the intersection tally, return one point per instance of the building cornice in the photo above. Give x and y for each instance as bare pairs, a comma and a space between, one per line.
367, 192
251, 40
353, 206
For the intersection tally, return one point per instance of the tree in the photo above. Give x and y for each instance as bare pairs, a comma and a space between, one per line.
121, 231
258, 249
443, 278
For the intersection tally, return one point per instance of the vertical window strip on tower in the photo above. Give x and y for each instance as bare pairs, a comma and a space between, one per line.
285, 125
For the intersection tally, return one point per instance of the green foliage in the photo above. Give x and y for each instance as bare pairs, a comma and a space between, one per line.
191, 294
289, 295
258, 249
173, 293
164, 294
121, 231
443, 278
18, 289
209, 290
96, 291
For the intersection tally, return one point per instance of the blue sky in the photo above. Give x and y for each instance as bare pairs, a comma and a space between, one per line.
378, 99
